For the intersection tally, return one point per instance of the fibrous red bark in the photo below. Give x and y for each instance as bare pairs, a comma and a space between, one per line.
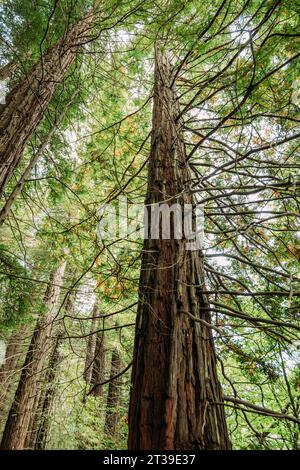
27, 101
175, 386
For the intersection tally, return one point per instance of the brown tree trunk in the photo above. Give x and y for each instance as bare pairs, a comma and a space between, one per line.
9, 371
7, 70
98, 375
27, 395
39, 427
114, 395
28, 100
12, 357
41, 434
174, 378
32, 162
95, 357
90, 349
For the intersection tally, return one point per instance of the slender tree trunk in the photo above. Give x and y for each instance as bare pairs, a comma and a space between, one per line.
95, 357
98, 373
12, 359
43, 424
9, 371
39, 428
114, 395
174, 377
28, 391
90, 349
28, 100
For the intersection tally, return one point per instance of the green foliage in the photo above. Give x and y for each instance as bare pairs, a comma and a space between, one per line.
236, 81
15, 287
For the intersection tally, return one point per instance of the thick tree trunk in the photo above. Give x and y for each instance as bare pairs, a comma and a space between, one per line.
32, 162
174, 378
7, 70
28, 100
114, 395
28, 392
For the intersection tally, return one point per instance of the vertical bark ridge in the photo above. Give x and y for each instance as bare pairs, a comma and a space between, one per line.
114, 395
26, 399
98, 373
90, 349
10, 369
42, 431
27, 101
174, 376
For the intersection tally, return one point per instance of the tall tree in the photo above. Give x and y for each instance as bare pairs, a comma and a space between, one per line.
40, 432
94, 369
176, 399
90, 348
15, 350
38, 435
27, 101
27, 395
114, 395
98, 372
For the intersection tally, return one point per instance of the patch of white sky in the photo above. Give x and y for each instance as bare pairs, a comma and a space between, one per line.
85, 298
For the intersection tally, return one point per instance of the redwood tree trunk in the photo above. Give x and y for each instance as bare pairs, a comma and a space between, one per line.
9, 371
27, 395
114, 395
95, 357
41, 434
7, 70
174, 379
40, 423
28, 100
32, 162
12, 356
98, 372
90, 349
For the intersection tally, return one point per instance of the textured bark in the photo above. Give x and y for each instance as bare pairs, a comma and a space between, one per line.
9, 371
27, 101
28, 392
98, 373
114, 395
174, 377
90, 349
7, 70
40, 435
32, 162
40, 423
12, 359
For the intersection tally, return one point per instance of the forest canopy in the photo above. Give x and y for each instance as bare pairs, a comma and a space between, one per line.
129, 340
